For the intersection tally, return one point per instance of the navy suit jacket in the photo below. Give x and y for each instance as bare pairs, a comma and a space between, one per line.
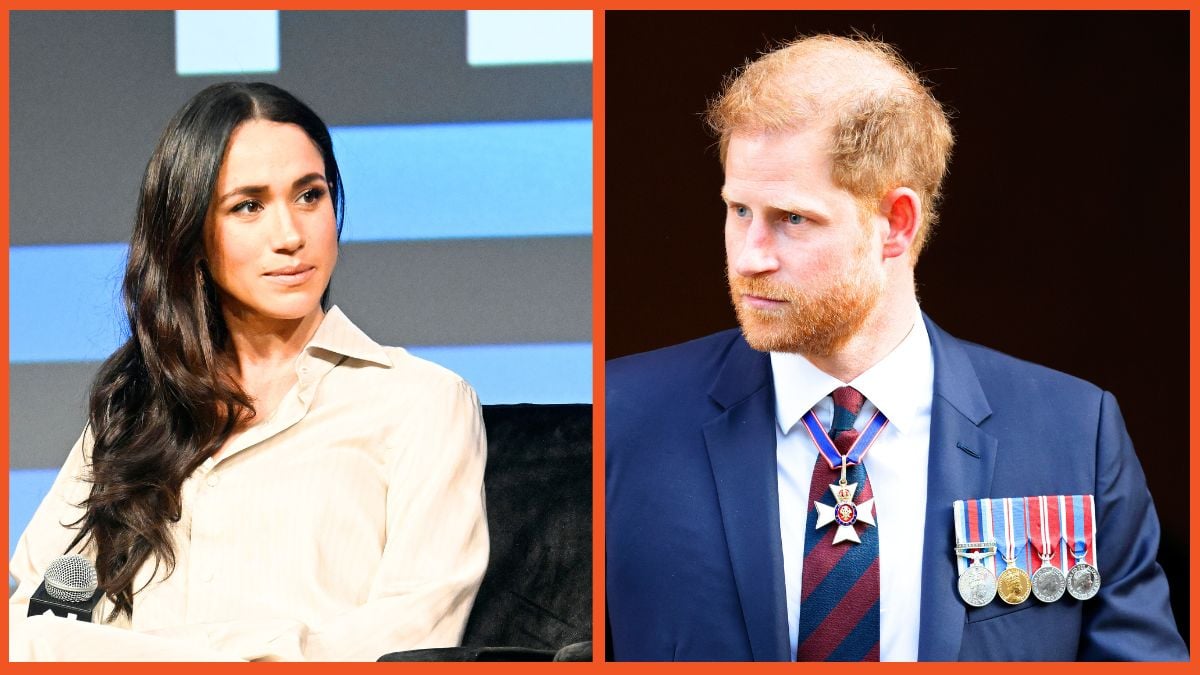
694, 557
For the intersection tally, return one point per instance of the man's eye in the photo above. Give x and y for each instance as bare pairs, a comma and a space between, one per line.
796, 219
741, 211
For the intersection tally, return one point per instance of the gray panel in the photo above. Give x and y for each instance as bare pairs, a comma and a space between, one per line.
48, 409
89, 94
410, 67
469, 291
91, 91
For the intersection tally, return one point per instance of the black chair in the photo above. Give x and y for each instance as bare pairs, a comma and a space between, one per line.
535, 603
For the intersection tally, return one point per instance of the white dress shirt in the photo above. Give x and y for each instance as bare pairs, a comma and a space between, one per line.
900, 385
348, 524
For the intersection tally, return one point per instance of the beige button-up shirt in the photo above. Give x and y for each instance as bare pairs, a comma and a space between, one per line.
347, 525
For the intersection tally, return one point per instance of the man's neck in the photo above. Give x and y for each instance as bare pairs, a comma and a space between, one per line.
880, 334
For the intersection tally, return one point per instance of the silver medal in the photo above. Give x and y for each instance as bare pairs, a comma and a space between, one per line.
1083, 581
1049, 583
977, 585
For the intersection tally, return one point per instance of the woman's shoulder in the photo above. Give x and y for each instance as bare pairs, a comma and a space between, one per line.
408, 367
378, 370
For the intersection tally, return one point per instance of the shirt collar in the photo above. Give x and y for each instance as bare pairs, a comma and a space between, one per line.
894, 384
338, 335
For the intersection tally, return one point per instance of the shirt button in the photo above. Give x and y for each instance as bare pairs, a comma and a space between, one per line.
213, 479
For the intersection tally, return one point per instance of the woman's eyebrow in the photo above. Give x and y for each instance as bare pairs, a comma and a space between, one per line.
251, 190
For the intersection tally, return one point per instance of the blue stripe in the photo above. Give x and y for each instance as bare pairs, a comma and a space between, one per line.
483, 179
64, 305
26, 488
522, 373
64, 302
1080, 543
817, 606
821, 438
213, 42
1022, 545
507, 37
860, 447
860, 640
1000, 532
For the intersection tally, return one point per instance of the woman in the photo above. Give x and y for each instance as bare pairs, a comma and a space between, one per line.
258, 479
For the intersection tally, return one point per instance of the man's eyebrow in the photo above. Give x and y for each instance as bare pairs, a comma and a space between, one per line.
251, 190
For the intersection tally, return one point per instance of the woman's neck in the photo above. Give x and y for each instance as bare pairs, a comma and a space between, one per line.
262, 345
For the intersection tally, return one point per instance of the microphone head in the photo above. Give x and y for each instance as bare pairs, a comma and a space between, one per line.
71, 578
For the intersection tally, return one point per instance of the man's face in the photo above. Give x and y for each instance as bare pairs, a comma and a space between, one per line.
804, 269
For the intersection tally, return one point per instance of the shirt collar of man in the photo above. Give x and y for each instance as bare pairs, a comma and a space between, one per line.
890, 385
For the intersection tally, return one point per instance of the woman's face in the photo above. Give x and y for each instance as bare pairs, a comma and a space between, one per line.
271, 236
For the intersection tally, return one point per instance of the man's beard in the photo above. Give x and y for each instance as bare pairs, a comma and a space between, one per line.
809, 324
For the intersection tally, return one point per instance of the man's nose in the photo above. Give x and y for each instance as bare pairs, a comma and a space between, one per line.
757, 253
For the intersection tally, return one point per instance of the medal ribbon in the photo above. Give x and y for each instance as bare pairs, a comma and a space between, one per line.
972, 523
1008, 520
1080, 517
1044, 532
960, 532
989, 534
1089, 528
1018, 527
1064, 557
857, 451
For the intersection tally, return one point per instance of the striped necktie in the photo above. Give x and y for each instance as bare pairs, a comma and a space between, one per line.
839, 592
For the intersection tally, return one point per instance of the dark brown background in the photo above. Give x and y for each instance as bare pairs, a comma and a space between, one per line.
1064, 230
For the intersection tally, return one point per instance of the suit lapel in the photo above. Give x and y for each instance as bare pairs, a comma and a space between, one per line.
741, 450
961, 459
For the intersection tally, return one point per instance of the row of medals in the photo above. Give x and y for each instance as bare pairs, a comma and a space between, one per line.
978, 585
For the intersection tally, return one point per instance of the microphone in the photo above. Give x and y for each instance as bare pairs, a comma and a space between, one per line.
69, 589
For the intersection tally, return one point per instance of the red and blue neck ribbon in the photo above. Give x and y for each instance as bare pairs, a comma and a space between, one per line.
857, 451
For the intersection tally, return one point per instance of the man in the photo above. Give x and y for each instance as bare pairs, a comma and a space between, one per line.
745, 519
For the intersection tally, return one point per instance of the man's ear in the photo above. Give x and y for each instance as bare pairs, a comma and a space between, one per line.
902, 208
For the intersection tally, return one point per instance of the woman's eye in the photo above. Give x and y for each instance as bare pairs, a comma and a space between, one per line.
248, 206
311, 196
795, 219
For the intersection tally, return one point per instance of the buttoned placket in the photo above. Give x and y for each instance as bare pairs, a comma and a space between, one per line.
204, 486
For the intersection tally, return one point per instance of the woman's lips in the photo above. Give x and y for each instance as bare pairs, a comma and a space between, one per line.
291, 276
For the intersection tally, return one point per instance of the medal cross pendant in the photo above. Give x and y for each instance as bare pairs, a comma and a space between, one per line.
845, 512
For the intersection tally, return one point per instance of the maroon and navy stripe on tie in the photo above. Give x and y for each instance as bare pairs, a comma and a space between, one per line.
839, 604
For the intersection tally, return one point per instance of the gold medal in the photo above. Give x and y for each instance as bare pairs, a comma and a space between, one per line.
1013, 585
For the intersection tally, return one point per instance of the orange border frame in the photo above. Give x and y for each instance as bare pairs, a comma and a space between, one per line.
598, 308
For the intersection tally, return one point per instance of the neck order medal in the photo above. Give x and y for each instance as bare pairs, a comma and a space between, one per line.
846, 513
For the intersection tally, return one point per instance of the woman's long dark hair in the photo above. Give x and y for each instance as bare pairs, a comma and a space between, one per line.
165, 400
